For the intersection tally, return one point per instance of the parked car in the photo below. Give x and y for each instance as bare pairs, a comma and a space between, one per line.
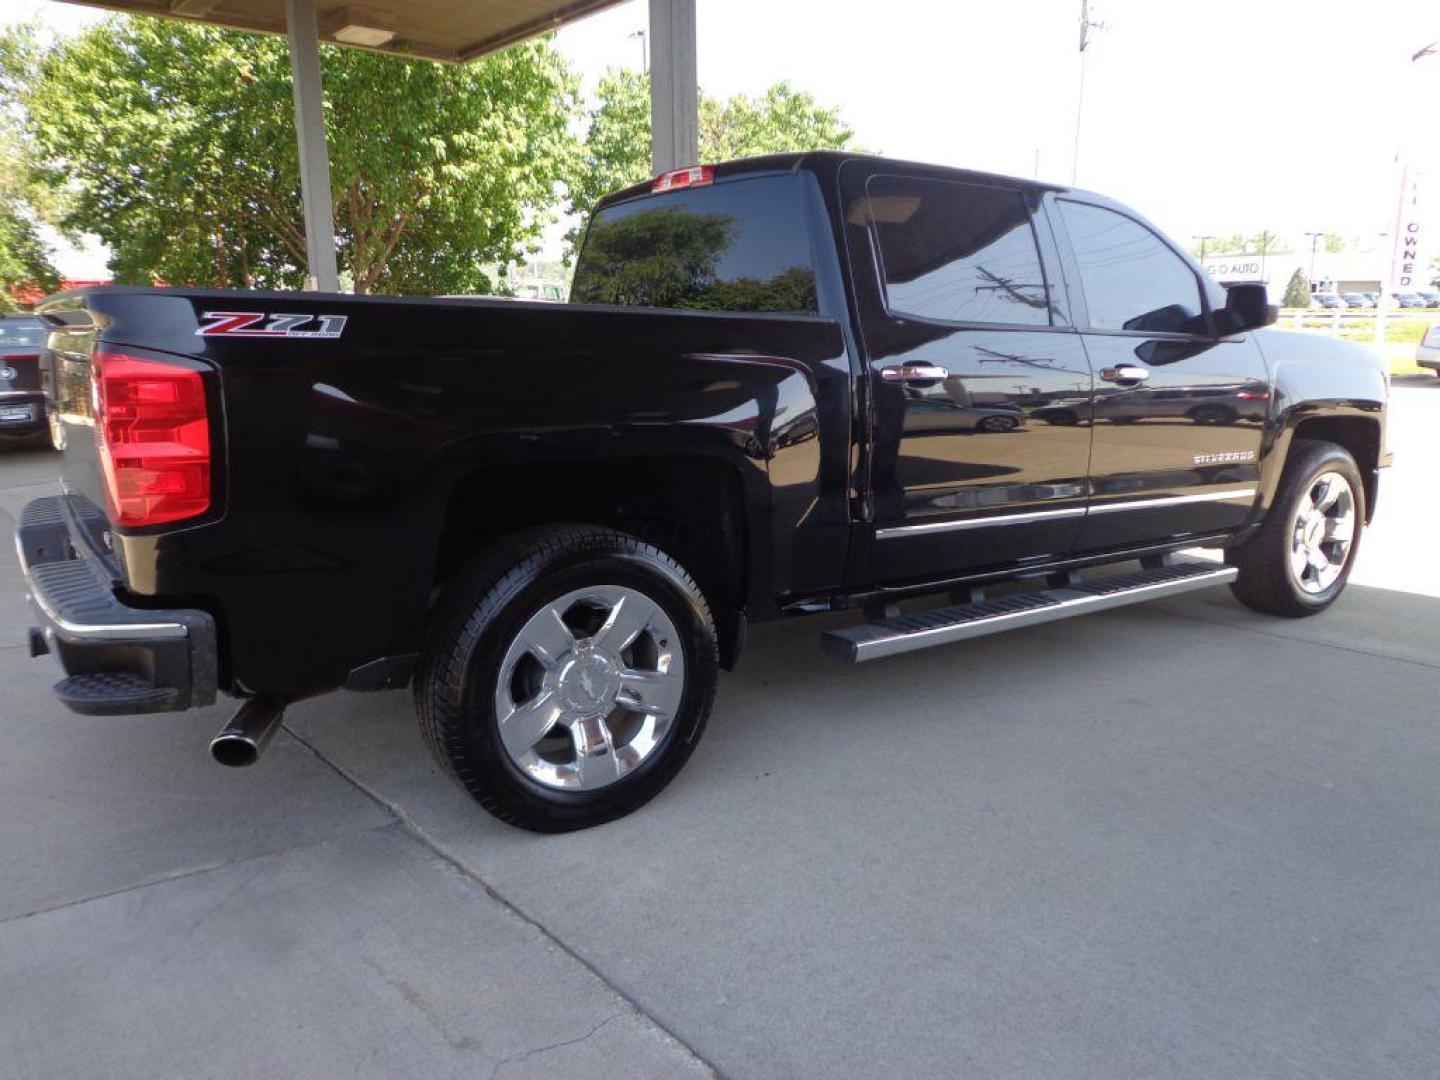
1432, 299
1328, 300
554, 522
1407, 300
1427, 353
23, 415
1357, 300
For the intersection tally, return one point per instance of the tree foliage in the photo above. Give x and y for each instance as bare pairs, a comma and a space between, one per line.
1263, 242
24, 254
616, 150
1297, 292
177, 145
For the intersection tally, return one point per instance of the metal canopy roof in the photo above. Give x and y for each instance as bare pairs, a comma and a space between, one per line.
450, 30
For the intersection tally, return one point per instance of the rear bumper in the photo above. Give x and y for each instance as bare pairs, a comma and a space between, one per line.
14, 426
118, 659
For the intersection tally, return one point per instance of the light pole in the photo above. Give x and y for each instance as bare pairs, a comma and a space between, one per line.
1086, 25
1314, 242
1203, 240
644, 52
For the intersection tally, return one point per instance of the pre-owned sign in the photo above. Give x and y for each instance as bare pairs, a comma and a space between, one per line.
1405, 267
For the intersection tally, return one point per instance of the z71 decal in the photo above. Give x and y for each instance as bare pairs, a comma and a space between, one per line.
261, 324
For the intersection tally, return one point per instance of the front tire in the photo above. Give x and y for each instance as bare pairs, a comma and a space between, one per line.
1299, 561
567, 677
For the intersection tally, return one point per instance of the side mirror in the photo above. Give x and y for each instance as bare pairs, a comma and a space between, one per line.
1247, 307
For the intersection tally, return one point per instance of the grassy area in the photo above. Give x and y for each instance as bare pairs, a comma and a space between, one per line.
1402, 333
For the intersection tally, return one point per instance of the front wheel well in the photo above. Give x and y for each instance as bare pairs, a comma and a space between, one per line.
1357, 434
691, 508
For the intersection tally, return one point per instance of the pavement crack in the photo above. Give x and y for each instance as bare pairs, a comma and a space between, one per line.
414, 829
179, 875
518, 1059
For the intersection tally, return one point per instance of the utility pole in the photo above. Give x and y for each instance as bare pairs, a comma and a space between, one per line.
1203, 240
1314, 243
644, 52
1086, 25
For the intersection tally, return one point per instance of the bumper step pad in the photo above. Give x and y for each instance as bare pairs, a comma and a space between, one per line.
906, 633
105, 694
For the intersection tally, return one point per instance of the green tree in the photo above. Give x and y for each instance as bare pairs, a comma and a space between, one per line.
1435, 272
177, 145
616, 150
1262, 243
1333, 243
24, 204
780, 120
1297, 292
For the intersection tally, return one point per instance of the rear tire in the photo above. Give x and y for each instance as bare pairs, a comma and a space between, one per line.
1289, 567
553, 710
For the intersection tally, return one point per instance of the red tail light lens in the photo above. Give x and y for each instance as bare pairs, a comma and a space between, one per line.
154, 438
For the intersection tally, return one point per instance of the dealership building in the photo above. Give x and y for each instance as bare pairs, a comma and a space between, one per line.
1342, 272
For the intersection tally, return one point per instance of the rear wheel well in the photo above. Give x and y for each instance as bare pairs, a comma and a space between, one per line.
1357, 434
691, 508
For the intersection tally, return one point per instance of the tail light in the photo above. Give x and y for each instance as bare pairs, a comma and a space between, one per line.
153, 433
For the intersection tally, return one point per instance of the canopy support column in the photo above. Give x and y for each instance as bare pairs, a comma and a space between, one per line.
314, 158
674, 90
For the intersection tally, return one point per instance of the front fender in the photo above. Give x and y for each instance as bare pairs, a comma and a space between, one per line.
1319, 378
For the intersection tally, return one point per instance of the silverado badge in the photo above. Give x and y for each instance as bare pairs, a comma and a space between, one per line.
1224, 457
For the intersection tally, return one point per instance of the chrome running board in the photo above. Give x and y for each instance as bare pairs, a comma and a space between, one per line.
905, 633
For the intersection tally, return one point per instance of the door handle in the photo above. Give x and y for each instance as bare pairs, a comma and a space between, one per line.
1125, 374
914, 373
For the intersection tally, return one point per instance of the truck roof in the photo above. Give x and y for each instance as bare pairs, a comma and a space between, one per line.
827, 161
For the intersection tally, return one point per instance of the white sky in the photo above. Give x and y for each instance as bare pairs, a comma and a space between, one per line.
1214, 117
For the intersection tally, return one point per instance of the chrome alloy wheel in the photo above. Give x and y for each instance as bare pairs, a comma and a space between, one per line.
589, 687
1323, 533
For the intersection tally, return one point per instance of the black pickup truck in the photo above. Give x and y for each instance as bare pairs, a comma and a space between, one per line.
784, 385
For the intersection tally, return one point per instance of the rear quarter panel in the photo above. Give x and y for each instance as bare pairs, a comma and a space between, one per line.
340, 455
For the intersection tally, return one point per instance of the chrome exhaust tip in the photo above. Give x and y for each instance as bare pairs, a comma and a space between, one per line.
248, 732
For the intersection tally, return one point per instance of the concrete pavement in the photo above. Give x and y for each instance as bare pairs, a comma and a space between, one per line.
1178, 840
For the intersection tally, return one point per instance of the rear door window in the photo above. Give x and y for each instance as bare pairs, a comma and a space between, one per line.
958, 252
741, 245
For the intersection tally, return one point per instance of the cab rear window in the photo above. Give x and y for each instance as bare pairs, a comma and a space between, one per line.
741, 245
21, 333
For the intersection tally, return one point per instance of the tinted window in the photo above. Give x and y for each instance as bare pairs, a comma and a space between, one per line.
957, 252
21, 333
1132, 281
737, 246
